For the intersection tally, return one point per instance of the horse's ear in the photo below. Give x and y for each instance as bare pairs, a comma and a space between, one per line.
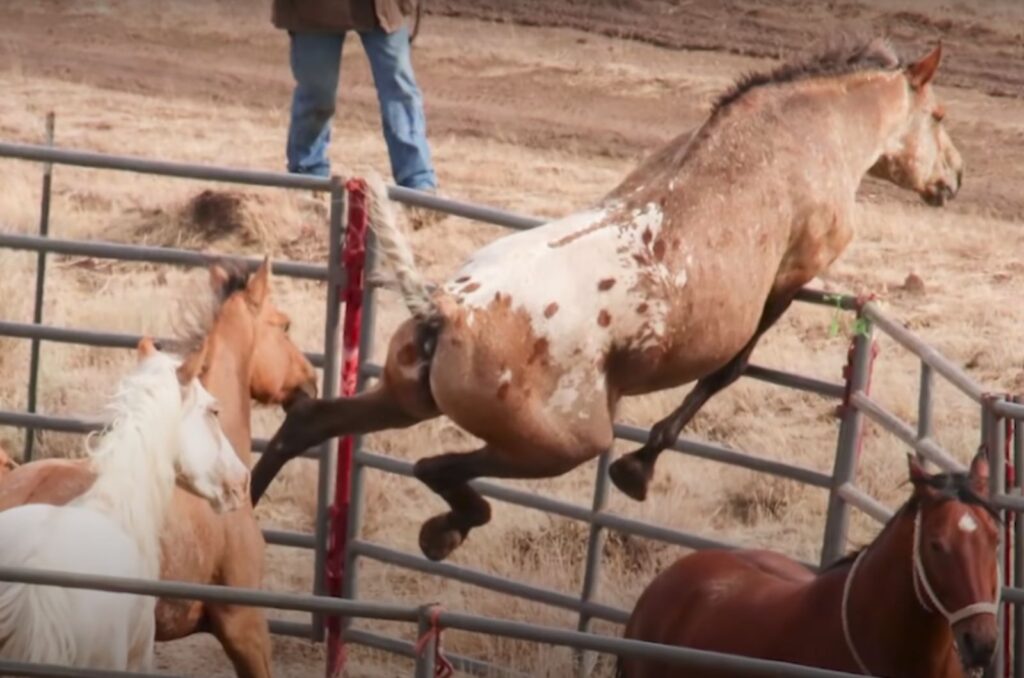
192, 366
921, 72
916, 469
145, 348
259, 284
979, 472
218, 277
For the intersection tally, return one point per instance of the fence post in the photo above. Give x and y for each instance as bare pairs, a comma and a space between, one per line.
857, 374
354, 258
1016, 578
327, 461
37, 309
994, 432
349, 588
592, 573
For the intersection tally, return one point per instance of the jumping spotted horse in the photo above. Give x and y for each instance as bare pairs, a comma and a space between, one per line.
671, 278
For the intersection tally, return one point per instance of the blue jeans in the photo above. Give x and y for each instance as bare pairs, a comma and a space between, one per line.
316, 62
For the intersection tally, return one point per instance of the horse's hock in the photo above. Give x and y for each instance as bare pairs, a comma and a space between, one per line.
338, 543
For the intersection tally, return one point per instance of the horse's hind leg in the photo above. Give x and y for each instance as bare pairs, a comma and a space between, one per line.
449, 474
310, 422
400, 400
632, 472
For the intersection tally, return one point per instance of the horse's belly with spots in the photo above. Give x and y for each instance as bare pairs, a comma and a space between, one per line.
696, 341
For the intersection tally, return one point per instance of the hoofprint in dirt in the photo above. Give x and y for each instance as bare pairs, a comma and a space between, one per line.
538, 120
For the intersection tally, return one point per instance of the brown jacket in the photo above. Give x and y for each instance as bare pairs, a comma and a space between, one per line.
335, 16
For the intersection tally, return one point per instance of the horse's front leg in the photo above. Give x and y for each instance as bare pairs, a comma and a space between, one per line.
632, 472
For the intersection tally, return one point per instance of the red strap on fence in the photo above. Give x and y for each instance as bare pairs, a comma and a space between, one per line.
353, 257
442, 667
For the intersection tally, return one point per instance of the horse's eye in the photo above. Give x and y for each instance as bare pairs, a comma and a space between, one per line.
938, 115
215, 411
937, 546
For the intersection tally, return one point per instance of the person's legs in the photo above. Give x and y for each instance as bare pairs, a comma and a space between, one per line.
401, 108
315, 61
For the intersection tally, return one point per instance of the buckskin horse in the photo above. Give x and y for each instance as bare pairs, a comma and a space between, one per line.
671, 278
241, 351
919, 601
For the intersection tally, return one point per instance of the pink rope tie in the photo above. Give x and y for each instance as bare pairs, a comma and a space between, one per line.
442, 667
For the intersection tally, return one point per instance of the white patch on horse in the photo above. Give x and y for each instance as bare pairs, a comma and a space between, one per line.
579, 280
967, 523
505, 377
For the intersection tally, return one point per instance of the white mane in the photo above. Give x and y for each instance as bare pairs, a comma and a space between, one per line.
134, 458
112, 529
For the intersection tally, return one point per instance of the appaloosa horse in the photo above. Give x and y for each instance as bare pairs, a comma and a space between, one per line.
241, 350
918, 602
671, 278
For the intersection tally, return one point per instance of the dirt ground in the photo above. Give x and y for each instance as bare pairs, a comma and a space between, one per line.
539, 107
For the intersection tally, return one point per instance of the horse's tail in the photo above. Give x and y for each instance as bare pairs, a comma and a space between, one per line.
34, 624
394, 246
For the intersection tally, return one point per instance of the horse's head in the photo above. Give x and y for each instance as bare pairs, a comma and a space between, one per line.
920, 156
205, 460
279, 372
956, 558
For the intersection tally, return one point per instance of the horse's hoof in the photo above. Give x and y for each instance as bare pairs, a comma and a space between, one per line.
631, 476
438, 538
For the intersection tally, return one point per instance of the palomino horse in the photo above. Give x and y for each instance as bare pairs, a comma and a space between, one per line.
672, 277
925, 591
242, 351
165, 425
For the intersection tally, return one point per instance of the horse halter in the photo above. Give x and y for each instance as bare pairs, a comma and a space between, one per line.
923, 591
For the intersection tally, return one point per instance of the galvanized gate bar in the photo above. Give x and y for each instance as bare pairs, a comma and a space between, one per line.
557, 507
724, 455
67, 335
45, 422
150, 254
65, 156
406, 649
684, 657
488, 581
928, 355
302, 602
33, 670
768, 375
925, 446
858, 498
183, 170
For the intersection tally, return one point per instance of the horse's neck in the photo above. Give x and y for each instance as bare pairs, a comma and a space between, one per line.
134, 482
885, 616
227, 380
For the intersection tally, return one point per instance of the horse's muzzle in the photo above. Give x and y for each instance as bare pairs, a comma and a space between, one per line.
976, 650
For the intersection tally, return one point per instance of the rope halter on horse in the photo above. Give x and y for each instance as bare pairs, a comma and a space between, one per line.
921, 583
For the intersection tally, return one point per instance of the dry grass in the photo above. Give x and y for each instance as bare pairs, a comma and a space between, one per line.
963, 259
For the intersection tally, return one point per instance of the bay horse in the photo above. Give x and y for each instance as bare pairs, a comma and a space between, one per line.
165, 427
671, 278
241, 351
920, 601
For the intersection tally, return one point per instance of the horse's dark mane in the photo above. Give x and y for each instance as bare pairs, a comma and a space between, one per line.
951, 487
198, 315
845, 54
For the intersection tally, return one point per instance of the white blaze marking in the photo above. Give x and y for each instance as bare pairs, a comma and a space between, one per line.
967, 523
505, 377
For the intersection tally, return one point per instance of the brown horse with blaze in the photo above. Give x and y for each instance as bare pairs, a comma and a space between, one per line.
919, 602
